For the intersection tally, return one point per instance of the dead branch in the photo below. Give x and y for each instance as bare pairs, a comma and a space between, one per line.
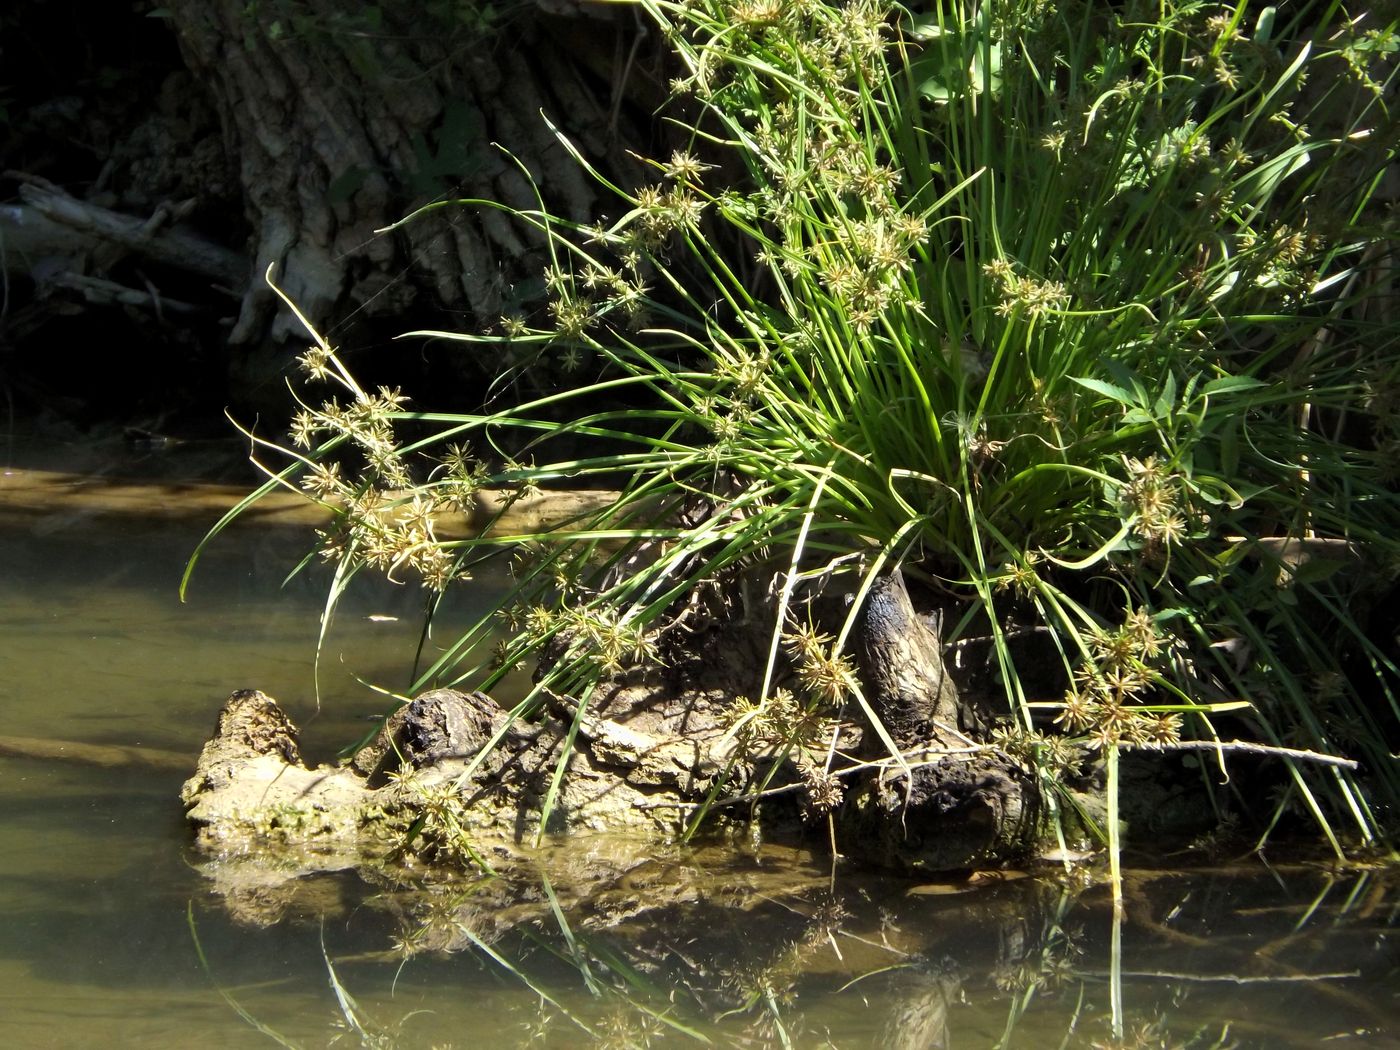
102, 292
1247, 747
1233, 978
181, 250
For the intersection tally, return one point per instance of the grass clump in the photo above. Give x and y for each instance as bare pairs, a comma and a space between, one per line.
1082, 314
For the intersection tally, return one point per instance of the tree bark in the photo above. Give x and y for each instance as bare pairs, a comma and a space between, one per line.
901, 661
343, 120
967, 809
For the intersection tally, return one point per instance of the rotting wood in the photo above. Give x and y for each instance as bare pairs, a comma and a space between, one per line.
98, 227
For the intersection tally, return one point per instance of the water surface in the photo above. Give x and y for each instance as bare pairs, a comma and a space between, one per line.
745, 945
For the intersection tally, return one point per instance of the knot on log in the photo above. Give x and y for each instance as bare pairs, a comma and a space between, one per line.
901, 664
250, 720
439, 724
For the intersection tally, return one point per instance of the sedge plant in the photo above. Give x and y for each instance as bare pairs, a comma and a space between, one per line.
1082, 314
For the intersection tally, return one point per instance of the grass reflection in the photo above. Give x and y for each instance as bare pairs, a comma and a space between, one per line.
761, 949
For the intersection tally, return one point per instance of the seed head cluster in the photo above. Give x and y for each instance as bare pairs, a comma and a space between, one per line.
1106, 703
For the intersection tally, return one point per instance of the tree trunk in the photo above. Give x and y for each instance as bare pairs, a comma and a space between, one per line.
343, 119
184, 152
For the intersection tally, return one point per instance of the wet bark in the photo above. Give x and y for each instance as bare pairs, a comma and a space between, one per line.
954, 806
438, 725
901, 662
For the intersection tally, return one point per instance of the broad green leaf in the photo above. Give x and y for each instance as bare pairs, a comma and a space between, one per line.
1233, 384
1109, 390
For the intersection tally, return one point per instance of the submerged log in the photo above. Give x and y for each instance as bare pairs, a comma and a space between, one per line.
105, 756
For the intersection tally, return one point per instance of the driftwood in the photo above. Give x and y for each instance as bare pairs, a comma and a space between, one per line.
101, 292
63, 243
74, 224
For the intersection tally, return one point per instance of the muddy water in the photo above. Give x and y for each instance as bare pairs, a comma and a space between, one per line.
752, 945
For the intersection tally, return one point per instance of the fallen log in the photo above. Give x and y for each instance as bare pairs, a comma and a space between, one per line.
32, 241
98, 228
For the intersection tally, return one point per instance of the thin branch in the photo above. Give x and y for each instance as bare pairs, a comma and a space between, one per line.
1232, 978
886, 763
1249, 748
882, 764
987, 639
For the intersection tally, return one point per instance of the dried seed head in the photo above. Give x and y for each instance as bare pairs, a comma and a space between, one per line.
821, 794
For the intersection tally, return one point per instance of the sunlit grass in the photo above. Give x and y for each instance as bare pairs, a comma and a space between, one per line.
1083, 316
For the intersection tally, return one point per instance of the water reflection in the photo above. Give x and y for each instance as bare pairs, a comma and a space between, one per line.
586, 942
609, 942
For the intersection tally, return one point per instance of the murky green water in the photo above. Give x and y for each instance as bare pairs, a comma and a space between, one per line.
746, 947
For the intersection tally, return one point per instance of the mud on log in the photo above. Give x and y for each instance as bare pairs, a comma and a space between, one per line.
251, 791
643, 757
